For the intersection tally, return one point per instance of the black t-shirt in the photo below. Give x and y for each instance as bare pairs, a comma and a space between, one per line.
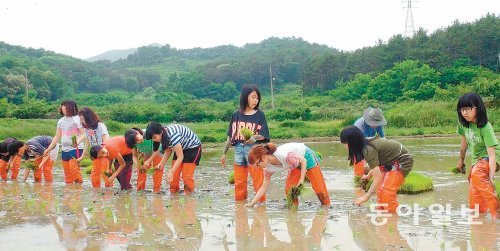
256, 123
4, 148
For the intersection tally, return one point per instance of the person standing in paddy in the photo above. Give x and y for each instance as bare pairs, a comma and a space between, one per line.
67, 127
478, 135
145, 151
250, 117
371, 124
35, 147
187, 153
96, 133
6, 160
123, 150
298, 159
389, 161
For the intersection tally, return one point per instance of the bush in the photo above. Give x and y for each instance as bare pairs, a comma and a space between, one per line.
292, 124
32, 109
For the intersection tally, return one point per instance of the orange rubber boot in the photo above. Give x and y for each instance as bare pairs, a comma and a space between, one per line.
481, 191
388, 189
257, 175
318, 184
188, 177
240, 182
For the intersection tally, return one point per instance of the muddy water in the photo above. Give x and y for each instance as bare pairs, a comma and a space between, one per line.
58, 217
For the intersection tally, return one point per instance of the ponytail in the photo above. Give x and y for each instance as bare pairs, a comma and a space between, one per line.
259, 151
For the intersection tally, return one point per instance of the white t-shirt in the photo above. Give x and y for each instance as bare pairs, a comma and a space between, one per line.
69, 126
95, 136
288, 155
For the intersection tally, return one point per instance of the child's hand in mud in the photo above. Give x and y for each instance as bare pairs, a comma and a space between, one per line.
361, 200
249, 204
170, 176
223, 160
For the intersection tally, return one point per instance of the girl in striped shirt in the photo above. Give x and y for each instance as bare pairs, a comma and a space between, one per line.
187, 153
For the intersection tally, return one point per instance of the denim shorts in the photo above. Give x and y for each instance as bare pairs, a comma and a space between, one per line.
241, 154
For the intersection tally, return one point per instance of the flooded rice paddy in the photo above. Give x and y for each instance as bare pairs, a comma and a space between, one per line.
76, 217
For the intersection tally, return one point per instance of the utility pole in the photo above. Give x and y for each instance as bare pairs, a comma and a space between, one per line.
409, 24
27, 81
272, 90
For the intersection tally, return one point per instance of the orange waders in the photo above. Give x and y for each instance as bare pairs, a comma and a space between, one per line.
317, 181
388, 190
46, 169
481, 191
99, 167
157, 177
240, 181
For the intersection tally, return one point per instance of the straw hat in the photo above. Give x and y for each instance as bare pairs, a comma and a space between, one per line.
374, 117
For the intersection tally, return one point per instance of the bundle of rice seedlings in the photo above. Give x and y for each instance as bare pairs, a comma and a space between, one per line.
455, 170
73, 139
230, 179
86, 162
416, 183
88, 169
357, 181
293, 195
151, 170
320, 156
247, 133
108, 173
30, 165
497, 188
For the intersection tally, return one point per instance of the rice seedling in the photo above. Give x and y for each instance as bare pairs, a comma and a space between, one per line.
455, 170
88, 170
73, 139
30, 165
293, 195
497, 188
247, 133
151, 170
86, 162
230, 179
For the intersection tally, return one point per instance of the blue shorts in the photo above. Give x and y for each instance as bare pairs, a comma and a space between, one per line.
241, 154
312, 158
66, 156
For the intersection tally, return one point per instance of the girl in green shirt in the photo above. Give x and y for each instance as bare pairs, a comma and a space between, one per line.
478, 135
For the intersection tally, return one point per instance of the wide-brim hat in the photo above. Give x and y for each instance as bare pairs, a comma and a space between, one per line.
374, 117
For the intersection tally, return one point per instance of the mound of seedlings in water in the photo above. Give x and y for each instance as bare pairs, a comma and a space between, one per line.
230, 178
247, 133
416, 183
293, 195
